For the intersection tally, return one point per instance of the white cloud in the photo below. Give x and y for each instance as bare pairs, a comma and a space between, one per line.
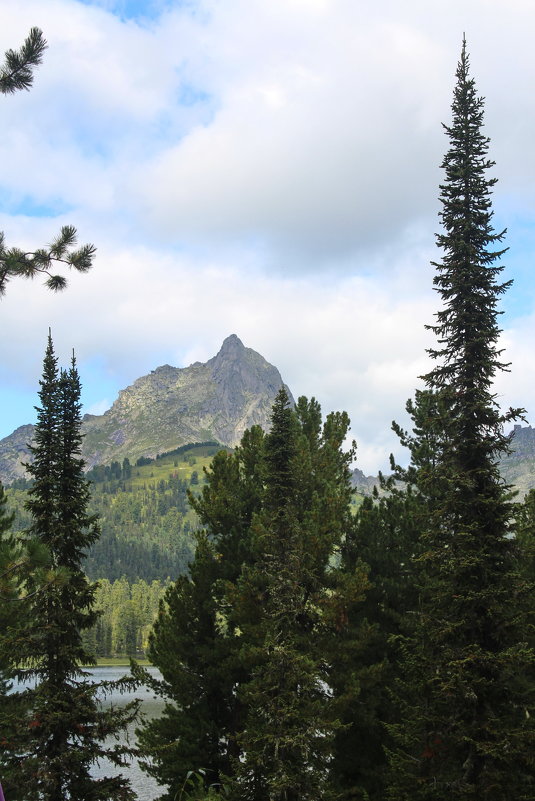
350, 343
302, 151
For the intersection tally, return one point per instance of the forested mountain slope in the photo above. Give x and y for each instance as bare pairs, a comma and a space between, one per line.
145, 518
147, 526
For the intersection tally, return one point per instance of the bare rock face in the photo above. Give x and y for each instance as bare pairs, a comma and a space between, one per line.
14, 452
363, 484
170, 407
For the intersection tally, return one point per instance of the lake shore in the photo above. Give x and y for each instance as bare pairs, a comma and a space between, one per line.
119, 661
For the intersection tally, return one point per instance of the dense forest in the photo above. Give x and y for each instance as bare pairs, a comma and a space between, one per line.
146, 540
128, 611
145, 518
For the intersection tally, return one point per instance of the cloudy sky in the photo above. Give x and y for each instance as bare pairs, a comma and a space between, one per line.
267, 168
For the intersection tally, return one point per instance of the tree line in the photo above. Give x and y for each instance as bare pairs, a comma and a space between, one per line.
126, 614
146, 521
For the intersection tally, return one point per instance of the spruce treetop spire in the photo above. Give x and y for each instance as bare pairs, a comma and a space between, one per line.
467, 278
59, 731
467, 733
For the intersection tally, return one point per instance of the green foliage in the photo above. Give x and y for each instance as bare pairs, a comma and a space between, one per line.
365, 659
146, 522
525, 535
287, 737
127, 612
16, 71
58, 727
467, 731
194, 788
242, 642
192, 645
146, 519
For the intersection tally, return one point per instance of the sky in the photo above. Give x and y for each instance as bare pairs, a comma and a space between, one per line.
267, 168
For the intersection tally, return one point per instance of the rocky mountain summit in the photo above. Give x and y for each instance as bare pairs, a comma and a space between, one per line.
172, 406
213, 401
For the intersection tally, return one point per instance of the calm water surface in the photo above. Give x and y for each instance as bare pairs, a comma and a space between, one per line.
144, 786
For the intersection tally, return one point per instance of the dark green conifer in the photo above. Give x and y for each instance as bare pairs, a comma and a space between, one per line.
365, 657
243, 643
17, 70
62, 727
468, 732
525, 536
9, 618
195, 643
301, 606
287, 738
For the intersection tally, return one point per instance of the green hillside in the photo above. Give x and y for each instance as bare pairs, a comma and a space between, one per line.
144, 514
146, 540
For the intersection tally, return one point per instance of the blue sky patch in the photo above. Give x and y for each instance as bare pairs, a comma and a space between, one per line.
30, 207
191, 95
137, 10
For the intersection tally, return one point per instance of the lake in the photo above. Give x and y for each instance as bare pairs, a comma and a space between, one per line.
144, 786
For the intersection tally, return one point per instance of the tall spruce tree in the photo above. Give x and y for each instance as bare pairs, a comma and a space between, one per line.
62, 726
468, 733
287, 739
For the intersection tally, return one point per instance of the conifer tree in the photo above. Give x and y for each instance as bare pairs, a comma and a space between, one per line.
194, 641
468, 732
365, 658
287, 739
525, 536
62, 726
9, 618
244, 641
7, 558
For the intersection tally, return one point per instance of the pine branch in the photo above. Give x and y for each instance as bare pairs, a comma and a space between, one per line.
16, 71
15, 262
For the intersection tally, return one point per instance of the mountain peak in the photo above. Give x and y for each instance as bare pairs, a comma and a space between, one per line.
170, 407
232, 346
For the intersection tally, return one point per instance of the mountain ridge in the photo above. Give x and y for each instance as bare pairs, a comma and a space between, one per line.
215, 400
169, 407
517, 467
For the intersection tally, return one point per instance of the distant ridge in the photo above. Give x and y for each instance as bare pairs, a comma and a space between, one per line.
516, 467
172, 406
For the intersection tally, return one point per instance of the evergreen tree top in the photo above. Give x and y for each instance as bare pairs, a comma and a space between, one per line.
467, 278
